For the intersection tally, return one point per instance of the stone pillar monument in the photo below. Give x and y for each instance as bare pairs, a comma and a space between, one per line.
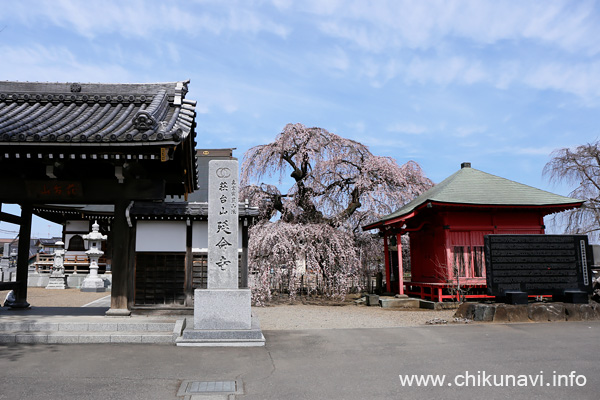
92, 282
58, 279
222, 306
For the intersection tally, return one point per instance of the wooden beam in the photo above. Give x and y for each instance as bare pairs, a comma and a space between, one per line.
11, 219
94, 191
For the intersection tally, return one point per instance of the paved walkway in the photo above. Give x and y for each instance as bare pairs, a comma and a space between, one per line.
348, 364
86, 324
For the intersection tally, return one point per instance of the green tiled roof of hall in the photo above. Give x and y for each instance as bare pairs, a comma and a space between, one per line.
95, 113
469, 186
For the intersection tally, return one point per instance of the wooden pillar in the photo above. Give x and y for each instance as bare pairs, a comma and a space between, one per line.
400, 266
23, 257
244, 283
388, 278
120, 262
131, 265
189, 265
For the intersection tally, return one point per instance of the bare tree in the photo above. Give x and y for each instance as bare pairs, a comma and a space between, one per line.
337, 186
579, 167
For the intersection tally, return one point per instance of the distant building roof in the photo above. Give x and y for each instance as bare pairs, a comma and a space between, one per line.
94, 113
469, 186
48, 242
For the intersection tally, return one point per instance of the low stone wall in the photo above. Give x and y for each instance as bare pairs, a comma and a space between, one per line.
533, 312
73, 281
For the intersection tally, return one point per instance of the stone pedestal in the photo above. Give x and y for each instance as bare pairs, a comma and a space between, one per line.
57, 282
222, 309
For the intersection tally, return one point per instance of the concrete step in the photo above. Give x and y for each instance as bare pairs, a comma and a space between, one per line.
108, 331
73, 337
71, 326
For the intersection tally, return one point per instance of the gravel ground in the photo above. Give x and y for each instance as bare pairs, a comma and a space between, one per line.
275, 317
41, 297
290, 317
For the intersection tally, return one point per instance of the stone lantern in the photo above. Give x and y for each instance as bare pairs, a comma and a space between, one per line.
92, 282
58, 279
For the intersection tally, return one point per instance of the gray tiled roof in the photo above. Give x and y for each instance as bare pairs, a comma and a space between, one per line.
94, 113
181, 209
473, 187
139, 210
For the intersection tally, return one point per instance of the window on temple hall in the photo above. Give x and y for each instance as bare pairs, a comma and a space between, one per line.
76, 244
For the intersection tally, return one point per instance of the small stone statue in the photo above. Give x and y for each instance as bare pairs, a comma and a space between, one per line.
59, 259
58, 279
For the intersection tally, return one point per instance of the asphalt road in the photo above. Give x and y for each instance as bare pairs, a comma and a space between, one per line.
324, 364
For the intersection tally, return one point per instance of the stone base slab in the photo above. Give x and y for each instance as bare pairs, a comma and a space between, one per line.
222, 309
92, 289
252, 337
532, 312
118, 312
399, 303
57, 282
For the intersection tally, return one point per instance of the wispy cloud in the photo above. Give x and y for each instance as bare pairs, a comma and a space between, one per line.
580, 79
465, 131
38, 63
408, 128
139, 18
375, 26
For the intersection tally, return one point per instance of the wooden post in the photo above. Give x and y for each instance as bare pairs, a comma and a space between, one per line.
189, 264
131, 265
120, 260
388, 284
400, 266
23, 257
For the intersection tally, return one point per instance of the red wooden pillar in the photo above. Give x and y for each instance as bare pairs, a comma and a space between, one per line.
388, 284
400, 266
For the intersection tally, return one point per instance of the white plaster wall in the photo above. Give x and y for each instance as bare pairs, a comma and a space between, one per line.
160, 236
200, 235
77, 226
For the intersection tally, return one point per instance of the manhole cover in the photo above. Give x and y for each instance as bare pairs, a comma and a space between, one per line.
195, 387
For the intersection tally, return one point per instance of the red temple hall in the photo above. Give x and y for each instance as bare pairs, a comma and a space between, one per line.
446, 226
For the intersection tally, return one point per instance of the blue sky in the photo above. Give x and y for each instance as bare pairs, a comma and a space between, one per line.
498, 83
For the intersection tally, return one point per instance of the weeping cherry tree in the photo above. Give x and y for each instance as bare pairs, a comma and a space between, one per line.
337, 185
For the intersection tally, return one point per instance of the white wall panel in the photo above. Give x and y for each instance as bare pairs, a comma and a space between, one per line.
77, 226
200, 235
160, 236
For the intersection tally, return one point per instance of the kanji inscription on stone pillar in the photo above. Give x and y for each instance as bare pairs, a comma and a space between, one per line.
223, 224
